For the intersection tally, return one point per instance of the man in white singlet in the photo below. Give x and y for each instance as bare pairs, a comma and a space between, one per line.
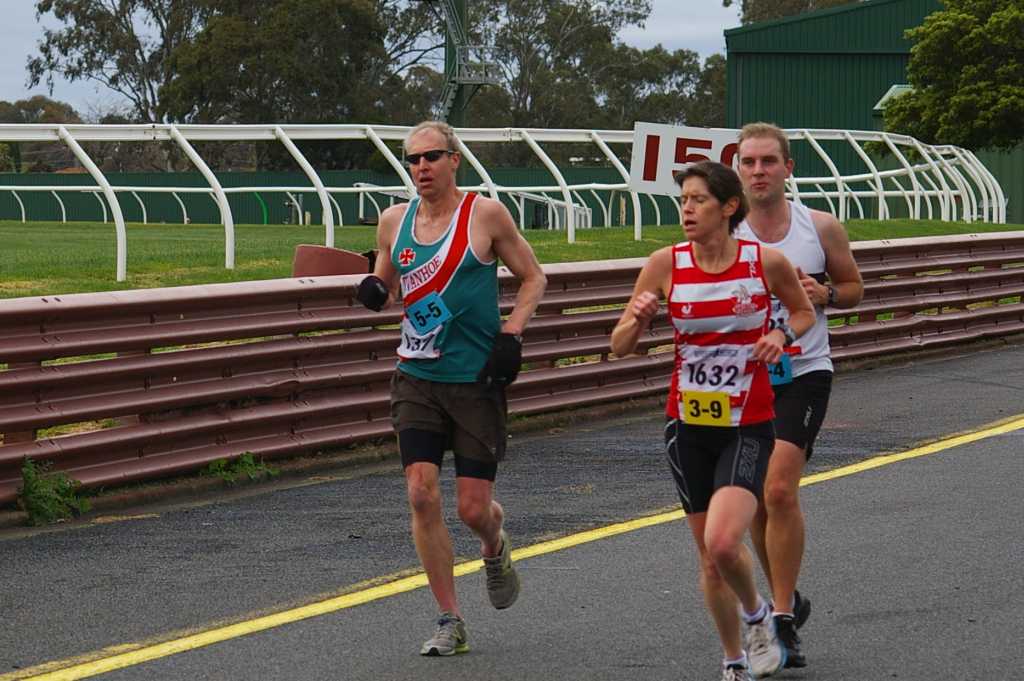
818, 246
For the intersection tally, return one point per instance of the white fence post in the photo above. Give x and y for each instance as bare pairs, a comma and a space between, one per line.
325, 203
219, 196
108, 191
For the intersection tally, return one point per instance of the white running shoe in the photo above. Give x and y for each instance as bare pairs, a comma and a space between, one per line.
765, 652
736, 672
448, 639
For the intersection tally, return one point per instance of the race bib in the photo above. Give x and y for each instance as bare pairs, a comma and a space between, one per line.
706, 409
427, 313
416, 345
781, 372
717, 368
708, 377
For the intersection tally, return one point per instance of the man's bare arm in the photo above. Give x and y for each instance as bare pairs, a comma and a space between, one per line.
515, 252
387, 229
842, 269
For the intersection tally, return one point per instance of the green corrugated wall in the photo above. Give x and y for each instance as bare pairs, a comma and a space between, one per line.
1008, 167
828, 69
823, 69
247, 208
874, 26
161, 207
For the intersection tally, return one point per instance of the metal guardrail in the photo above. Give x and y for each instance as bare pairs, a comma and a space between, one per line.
126, 386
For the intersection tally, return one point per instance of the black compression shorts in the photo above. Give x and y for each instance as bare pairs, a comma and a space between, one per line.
800, 408
707, 458
467, 418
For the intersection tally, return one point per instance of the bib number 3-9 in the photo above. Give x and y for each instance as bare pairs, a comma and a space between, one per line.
706, 408
708, 377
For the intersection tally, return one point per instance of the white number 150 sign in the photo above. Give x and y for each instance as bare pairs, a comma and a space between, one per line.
660, 150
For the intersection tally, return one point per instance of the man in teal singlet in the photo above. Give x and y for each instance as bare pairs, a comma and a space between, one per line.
456, 356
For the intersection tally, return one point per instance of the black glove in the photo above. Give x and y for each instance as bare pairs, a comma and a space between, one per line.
372, 293
506, 357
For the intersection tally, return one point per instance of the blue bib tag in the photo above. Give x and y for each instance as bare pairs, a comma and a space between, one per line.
781, 372
427, 313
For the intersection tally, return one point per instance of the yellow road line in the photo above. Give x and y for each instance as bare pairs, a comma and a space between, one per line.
999, 428
135, 654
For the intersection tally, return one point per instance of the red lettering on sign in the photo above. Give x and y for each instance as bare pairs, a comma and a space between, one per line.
651, 158
683, 144
729, 153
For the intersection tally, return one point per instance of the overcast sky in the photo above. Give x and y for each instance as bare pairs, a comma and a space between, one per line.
692, 24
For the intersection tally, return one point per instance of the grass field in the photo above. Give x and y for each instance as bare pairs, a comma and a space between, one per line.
47, 258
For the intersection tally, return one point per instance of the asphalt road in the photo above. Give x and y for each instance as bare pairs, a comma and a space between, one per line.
913, 568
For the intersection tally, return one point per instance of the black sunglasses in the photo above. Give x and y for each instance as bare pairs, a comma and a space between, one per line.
432, 155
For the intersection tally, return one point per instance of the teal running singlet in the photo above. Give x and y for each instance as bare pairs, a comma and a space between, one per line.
450, 299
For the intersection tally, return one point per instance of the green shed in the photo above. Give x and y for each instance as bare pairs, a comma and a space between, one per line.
830, 69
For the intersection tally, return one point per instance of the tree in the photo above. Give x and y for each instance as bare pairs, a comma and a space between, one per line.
121, 44
560, 66
278, 61
967, 72
752, 11
38, 156
647, 85
707, 105
7, 161
281, 61
552, 54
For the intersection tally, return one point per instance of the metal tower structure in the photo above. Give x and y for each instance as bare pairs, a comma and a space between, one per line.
466, 67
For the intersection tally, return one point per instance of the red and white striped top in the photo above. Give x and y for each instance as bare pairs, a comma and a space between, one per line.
718, 318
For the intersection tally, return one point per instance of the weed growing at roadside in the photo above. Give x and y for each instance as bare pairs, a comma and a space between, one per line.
245, 465
48, 497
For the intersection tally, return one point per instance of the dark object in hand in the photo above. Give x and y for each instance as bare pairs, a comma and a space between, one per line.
503, 364
371, 259
372, 293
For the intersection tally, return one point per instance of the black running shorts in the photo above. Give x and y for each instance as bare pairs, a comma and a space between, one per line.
706, 458
466, 418
800, 408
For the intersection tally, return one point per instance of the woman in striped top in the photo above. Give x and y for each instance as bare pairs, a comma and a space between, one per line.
719, 430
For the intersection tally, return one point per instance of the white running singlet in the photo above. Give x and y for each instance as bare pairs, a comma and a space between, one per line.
802, 247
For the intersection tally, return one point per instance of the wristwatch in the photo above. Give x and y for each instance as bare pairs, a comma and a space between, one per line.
833, 296
787, 333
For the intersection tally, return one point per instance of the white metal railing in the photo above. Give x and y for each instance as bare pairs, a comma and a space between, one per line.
582, 214
943, 181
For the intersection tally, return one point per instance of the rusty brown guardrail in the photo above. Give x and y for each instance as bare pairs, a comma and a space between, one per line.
125, 386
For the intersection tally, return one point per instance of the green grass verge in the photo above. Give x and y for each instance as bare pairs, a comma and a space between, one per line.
47, 258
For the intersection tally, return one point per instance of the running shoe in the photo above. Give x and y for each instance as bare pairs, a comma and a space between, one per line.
449, 639
765, 652
801, 609
785, 629
736, 672
502, 580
